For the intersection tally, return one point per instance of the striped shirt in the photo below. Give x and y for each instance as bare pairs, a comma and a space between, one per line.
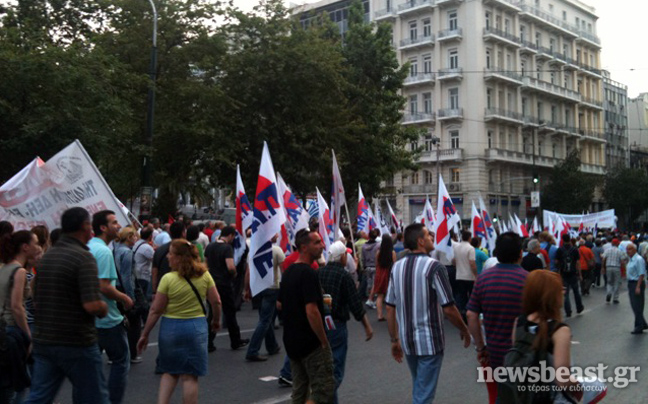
498, 295
418, 289
614, 257
67, 278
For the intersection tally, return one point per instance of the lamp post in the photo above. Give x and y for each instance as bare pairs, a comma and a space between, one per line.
509, 193
147, 168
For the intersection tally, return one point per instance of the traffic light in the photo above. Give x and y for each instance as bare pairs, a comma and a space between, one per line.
536, 178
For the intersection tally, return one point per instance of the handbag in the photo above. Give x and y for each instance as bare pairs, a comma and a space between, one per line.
202, 306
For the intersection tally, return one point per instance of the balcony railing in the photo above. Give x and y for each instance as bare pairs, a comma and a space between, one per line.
450, 33
589, 68
450, 113
547, 17
422, 40
550, 88
530, 120
455, 72
498, 32
591, 101
592, 133
418, 118
419, 189
385, 13
590, 37
491, 71
502, 113
592, 169
529, 45
443, 155
419, 79
412, 5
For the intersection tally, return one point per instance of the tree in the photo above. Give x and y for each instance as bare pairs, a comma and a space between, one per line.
626, 191
569, 190
376, 148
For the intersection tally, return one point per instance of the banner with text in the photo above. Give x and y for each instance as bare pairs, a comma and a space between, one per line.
603, 220
42, 191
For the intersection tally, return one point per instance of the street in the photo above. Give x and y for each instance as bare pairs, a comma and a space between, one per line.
601, 334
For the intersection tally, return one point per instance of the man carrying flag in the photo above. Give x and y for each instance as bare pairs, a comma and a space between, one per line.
477, 228
446, 218
488, 224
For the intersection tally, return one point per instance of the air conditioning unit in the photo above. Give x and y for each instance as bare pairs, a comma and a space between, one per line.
454, 187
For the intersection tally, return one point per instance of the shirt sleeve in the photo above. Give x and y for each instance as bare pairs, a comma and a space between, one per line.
147, 251
390, 297
88, 280
441, 284
474, 304
641, 266
355, 304
163, 287
209, 280
471, 254
106, 264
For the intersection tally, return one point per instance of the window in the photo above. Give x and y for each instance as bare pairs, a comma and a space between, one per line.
538, 39
589, 27
413, 99
453, 95
512, 145
489, 96
413, 145
488, 19
452, 19
523, 66
413, 67
427, 63
488, 58
551, 9
567, 81
540, 147
427, 103
415, 178
537, 3
552, 44
454, 174
413, 30
554, 149
522, 33
454, 139
498, 22
564, 15
509, 62
427, 28
552, 77
525, 106
429, 177
507, 25
429, 145
567, 119
502, 140
577, 22
538, 70
490, 139
540, 114
453, 56
578, 55
388, 5
565, 49
554, 114
525, 144
510, 101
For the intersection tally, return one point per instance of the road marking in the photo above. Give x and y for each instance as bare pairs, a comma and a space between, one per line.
268, 378
274, 400
219, 335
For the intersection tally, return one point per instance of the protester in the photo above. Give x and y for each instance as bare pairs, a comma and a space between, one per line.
466, 267
337, 283
43, 235
480, 256
398, 245
587, 264
17, 250
219, 225
418, 298
369, 251
160, 262
127, 282
55, 235
155, 223
193, 234
143, 254
497, 295
182, 341
164, 235
264, 330
220, 260
203, 239
568, 264
68, 298
636, 273
448, 263
300, 299
532, 260
111, 329
548, 243
598, 262
613, 258
385, 258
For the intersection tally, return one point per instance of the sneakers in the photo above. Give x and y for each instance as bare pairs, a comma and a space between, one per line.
370, 304
137, 360
284, 382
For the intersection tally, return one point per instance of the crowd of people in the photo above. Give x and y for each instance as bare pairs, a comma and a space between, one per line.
92, 287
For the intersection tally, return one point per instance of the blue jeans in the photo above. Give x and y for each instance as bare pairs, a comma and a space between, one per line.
286, 370
114, 342
425, 370
338, 340
82, 365
265, 327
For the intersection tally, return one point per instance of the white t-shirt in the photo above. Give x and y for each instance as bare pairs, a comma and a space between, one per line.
463, 254
491, 262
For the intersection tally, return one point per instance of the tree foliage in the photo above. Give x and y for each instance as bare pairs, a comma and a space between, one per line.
569, 190
626, 191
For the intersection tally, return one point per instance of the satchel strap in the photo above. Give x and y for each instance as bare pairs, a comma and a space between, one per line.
202, 306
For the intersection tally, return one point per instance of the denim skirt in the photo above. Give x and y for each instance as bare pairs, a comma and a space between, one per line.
183, 346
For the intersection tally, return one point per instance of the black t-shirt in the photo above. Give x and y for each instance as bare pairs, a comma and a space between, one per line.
560, 257
531, 262
216, 254
299, 285
161, 262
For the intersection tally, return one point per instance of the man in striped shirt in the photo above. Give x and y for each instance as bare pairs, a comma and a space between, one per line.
418, 297
498, 296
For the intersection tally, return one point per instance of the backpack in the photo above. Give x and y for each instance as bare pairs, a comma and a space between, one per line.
568, 263
523, 356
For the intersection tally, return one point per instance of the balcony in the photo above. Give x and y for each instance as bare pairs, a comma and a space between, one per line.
442, 3
500, 114
592, 103
544, 53
555, 24
514, 156
415, 6
498, 73
592, 134
528, 47
571, 64
501, 36
385, 14
585, 68
450, 114
530, 120
591, 38
410, 119
443, 155
593, 169
549, 89
450, 34
511, 5
419, 79
411, 43
450, 74
419, 189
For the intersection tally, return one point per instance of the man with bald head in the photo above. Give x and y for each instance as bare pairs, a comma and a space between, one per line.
636, 273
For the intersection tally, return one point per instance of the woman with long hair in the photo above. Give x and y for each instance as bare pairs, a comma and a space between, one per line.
385, 258
183, 332
16, 249
542, 302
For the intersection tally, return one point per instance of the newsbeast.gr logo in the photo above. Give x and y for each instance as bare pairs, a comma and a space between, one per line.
70, 167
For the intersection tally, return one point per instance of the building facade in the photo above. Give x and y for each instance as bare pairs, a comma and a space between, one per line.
615, 105
638, 122
502, 91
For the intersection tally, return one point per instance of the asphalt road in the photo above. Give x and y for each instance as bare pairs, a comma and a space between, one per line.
601, 334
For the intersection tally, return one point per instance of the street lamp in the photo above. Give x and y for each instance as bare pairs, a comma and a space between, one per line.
147, 168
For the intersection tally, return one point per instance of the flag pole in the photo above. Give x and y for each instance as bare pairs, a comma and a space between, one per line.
353, 246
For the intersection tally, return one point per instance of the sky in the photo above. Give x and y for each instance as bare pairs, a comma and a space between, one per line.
621, 29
